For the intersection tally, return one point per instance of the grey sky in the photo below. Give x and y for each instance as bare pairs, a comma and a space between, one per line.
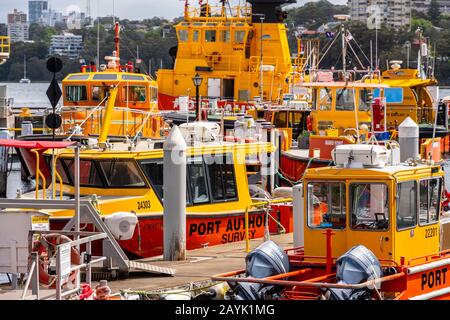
131, 9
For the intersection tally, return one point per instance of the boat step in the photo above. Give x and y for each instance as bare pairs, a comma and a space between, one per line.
139, 266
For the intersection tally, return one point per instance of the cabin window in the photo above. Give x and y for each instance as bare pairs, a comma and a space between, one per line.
326, 205
364, 100
154, 94
195, 36
154, 170
406, 205
183, 35
134, 93
239, 36
210, 35
60, 169
325, 99
429, 202
369, 206
280, 120
105, 76
221, 177
79, 77
226, 36
121, 173
345, 100
197, 181
132, 77
76, 93
100, 93
89, 174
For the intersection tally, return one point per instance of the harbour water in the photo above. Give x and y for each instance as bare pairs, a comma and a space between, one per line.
34, 96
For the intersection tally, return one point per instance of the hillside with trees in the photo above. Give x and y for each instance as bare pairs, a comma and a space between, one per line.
146, 37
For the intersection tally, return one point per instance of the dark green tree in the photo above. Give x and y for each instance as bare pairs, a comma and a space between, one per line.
434, 13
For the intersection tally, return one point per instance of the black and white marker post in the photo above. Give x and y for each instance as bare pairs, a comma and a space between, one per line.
53, 120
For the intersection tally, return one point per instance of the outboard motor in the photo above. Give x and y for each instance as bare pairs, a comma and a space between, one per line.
266, 260
357, 265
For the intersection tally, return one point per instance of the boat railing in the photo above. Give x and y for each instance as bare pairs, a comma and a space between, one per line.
255, 62
209, 13
224, 62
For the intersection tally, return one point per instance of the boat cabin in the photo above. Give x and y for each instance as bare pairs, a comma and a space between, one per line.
394, 210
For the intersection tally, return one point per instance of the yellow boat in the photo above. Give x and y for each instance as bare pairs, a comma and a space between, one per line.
5, 48
240, 52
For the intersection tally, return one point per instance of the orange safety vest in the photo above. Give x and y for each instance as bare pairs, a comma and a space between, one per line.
319, 212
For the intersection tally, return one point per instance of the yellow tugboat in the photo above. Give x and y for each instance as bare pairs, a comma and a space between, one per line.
241, 52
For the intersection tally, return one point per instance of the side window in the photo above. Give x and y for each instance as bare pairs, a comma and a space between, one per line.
239, 36
345, 100
326, 205
210, 35
155, 173
99, 93
122, 173
195, 35
197, 181
183, 35
226, 36
369, 206
89, 175
364, 103
429, 202
406, 205
221, 177
134, 93
280, 120
76, 93
325, 99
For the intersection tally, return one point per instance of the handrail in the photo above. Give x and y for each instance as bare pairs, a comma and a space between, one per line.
253, 205
39, 173
55, 158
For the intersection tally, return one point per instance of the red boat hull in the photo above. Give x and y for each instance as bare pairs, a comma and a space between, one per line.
201, 231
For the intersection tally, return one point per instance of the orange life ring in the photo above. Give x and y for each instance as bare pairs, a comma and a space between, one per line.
46, 247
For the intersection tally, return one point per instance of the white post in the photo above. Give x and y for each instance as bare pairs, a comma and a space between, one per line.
408, 138
298, 215
174, 221
4, 134
76, 175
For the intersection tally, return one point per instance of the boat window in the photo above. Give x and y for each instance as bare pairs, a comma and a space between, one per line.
134, 93
76, 93
183, 35
239, 36
99, 93
79, 77
153, 93
132, 77
154, 170
429, 202
210, 35
195, 35
345, 100
60, 169
326, 205
314, 100
364, 101
221, 177
392, 95
280, 119
325, 99
226, 36
406, 205
105, 76
197, 181
121, 173
369, 206
89, 175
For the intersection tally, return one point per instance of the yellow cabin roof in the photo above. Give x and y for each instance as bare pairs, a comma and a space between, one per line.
107, 76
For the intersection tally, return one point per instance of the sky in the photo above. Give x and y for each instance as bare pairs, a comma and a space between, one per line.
129, 9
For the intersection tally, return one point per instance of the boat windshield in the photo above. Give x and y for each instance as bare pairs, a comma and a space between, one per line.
76, 93
345, 99
369, 206
326, 205
430, 199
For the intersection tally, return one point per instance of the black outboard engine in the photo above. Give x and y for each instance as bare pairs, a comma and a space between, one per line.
266, 260
357, 265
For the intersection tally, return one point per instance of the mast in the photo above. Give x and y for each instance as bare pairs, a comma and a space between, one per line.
24, 67
117, 40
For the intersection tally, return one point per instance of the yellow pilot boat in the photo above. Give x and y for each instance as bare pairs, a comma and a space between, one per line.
241, 53
369, 228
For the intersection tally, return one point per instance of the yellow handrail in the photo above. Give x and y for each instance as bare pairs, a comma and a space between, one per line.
258, 204
55, 172
39, 173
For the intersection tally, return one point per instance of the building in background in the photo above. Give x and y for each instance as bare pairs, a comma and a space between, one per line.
36, 11
424, 5
17, 25
75, 20
67, 44
391, 13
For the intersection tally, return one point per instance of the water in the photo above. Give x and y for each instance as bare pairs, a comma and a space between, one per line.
34, 96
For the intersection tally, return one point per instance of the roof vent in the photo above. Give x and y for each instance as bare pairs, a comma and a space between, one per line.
360, 155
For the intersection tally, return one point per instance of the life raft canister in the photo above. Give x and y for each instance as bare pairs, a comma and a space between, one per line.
46, 248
